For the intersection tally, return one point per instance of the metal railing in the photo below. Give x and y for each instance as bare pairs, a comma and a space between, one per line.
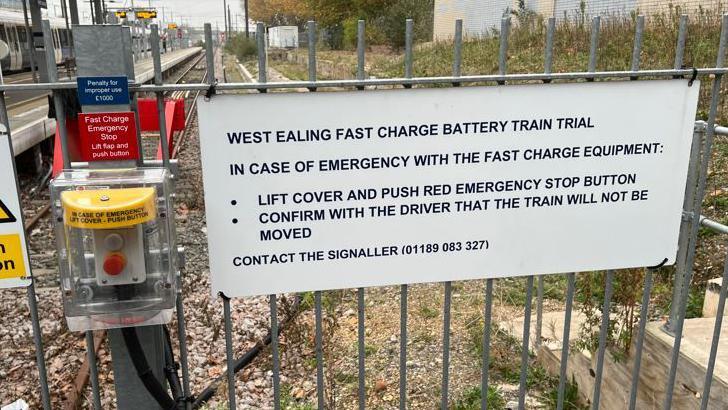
703, 142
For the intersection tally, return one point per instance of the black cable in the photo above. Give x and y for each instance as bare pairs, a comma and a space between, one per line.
170, 370
245, 360
155, 388
145, 374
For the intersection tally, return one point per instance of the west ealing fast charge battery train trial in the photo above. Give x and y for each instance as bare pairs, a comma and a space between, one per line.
409, 130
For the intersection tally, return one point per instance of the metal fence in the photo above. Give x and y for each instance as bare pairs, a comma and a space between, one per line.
702, 146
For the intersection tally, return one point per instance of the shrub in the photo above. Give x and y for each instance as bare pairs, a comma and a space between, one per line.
242, 47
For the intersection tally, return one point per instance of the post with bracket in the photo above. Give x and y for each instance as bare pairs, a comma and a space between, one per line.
120, 271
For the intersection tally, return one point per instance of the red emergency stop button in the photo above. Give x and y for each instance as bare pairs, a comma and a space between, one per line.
114, 263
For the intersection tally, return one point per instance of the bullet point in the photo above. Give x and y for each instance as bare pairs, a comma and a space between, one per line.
233, 202
235, 220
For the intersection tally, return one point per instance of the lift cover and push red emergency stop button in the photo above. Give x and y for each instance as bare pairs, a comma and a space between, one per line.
114, 264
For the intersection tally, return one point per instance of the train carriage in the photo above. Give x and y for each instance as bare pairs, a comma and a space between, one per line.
13, 32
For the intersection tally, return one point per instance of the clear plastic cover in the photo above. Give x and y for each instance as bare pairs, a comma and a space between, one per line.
116, 247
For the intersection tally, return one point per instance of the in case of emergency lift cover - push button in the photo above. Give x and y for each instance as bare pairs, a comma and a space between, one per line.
109, 208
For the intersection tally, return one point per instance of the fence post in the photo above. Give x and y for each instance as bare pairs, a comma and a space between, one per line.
157, 61
32, 304
705, 160
689, 202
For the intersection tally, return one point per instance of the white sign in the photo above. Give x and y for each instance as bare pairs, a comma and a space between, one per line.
14, 262
309, 191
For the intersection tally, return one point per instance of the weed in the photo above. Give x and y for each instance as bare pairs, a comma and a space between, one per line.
244, 48
288, 402
370, 350
345, 378
696, 297
472, 397
571, 396
428, 312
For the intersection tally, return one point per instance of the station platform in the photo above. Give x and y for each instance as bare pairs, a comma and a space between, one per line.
29, 122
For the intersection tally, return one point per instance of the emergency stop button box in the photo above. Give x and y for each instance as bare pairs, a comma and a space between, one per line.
115, 217
116, 247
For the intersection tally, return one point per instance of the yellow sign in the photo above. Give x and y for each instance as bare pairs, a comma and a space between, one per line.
146, 14
120, 14
12, 263
109, 208
172, 26
5, 215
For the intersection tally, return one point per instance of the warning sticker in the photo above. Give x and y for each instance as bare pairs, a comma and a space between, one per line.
5, 215
12, 263
109, 208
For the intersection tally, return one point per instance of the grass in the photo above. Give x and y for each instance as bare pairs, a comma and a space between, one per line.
288, 402
231, 70
428, 312
571, 397
472, 398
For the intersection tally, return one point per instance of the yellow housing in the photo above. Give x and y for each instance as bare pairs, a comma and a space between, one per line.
109, 208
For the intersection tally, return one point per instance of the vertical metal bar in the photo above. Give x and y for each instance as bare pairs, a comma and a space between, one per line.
710, 133
487, 316
360, 58
262, 63
157, 61
229, 351
209, 54
182, 337
685, 236
686, 226
503, 48
457, 59
274, 352
360, 291
319, 350
93, 369
539, 310
716, 338
637, 48
570, 280
596, 22
403, 347
57, 101
549, 49
361, 346
134, 106
603, 330
4, 119
32, 303
446, 345
408, 34
680, 47
644, 309
522, 386
38, 341
311, 34
29, 34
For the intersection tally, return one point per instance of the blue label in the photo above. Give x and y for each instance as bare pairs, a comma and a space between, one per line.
103, 90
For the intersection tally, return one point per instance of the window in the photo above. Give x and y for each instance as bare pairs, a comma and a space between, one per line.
13, 37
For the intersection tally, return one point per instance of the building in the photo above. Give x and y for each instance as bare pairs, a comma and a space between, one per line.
481, 17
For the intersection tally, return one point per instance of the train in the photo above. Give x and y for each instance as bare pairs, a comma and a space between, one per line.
13, 32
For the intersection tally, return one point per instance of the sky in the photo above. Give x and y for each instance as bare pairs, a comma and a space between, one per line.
194, 12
